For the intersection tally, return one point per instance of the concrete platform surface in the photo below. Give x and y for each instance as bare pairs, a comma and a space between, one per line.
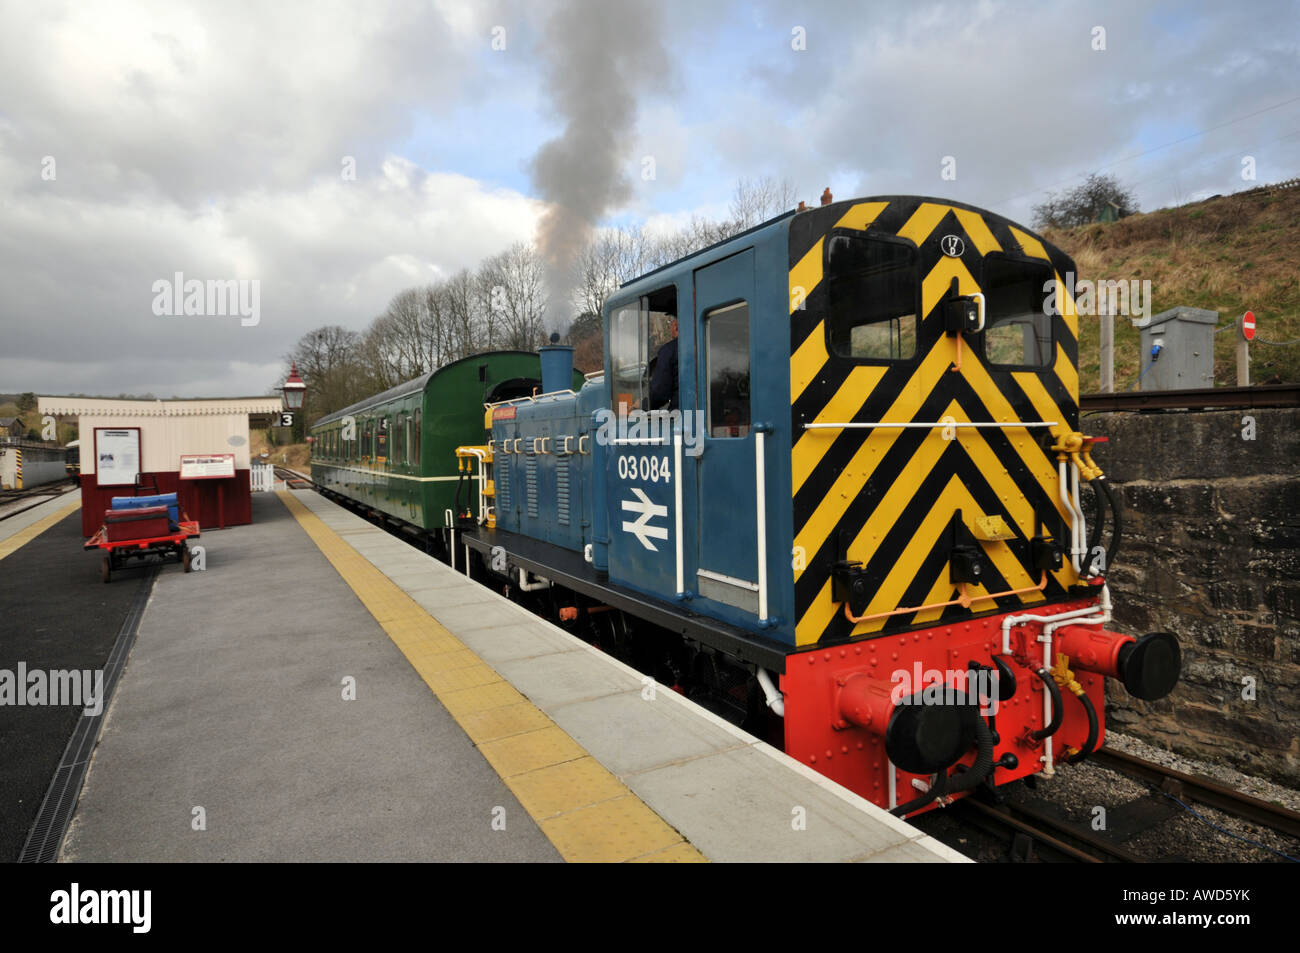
730, 796
230, 737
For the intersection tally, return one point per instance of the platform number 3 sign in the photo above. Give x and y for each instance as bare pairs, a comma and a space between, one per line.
286, 420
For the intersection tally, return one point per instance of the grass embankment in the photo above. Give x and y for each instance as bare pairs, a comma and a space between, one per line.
1228, 254
295, 455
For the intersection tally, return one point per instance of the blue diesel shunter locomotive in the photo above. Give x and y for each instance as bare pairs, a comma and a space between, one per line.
828, 462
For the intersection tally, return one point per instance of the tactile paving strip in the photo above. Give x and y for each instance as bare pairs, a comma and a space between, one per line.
586, 812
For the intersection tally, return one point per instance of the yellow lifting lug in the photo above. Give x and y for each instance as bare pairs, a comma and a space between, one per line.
1063, 676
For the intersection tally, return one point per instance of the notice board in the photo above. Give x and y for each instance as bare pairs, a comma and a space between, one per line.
117, 455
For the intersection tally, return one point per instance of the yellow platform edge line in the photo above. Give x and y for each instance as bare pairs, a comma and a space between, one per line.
587, 813
24, 536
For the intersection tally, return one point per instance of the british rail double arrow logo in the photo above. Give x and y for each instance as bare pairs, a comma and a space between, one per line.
641, 528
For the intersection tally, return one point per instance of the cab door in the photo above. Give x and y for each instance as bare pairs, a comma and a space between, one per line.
727, 568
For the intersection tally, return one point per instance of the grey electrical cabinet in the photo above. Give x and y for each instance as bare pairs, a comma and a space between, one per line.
1186, 360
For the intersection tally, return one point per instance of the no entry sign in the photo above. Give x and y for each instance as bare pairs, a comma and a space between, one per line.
1248, 325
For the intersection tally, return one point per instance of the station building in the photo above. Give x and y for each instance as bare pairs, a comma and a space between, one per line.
196, 448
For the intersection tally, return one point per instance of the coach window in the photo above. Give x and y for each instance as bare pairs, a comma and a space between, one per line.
1018, 325
406, 443
415, 448
638, 332
727, 352
872, 290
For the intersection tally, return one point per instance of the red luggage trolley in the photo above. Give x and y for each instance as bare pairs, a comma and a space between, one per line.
137, 533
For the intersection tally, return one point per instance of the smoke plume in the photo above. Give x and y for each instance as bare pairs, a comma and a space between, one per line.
598, 55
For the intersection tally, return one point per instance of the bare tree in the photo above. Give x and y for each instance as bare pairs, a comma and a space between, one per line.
1089, 201
611, 257
513, 297
757, 200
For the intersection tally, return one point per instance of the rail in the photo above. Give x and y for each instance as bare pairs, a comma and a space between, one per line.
1207, 398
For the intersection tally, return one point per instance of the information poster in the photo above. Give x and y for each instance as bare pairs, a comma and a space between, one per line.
117, 456
207, 466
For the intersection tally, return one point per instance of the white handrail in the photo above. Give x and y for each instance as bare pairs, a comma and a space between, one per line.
880, 425
677, 502
760, 493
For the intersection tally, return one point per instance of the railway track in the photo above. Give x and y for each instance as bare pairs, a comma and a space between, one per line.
292, 478
1035, 830
1190, 788
1035, 835
13, 502
1211, 398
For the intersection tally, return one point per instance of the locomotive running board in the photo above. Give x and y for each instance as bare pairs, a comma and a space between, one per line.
569, 569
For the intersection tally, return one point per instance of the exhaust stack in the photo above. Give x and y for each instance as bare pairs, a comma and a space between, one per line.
557, 366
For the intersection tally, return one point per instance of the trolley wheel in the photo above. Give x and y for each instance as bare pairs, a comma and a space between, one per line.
105, 570
185, 557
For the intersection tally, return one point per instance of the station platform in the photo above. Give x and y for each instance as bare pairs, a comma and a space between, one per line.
325, 691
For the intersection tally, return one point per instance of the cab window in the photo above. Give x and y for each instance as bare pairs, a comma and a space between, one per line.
638, 333
1017, 326
872, 291
726, 333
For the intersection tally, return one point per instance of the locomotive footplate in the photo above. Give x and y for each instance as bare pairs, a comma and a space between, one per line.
566, 568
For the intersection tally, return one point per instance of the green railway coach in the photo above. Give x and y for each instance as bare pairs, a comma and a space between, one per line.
396, 452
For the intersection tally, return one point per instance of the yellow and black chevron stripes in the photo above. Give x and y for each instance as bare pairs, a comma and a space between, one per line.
889, 498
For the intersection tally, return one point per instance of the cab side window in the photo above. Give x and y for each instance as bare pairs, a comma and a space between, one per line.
640, 333
727, 352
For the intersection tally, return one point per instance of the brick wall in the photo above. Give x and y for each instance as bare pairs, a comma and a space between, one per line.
1211, 552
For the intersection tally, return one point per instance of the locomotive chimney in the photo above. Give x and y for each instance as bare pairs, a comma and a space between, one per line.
557, 366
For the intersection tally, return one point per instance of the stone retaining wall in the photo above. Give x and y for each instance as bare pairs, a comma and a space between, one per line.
1211, 552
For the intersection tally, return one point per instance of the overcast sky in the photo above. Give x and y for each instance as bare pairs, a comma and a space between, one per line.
138, 140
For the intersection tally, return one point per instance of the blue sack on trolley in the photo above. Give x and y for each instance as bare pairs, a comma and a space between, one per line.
138, 502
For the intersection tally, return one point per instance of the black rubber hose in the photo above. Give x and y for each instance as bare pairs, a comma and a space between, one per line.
1116, 525
983, 761
1058, 710
938, 788
1099, 494
455, 513
1093, 730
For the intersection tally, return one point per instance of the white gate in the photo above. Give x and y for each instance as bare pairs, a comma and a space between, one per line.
262, 476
